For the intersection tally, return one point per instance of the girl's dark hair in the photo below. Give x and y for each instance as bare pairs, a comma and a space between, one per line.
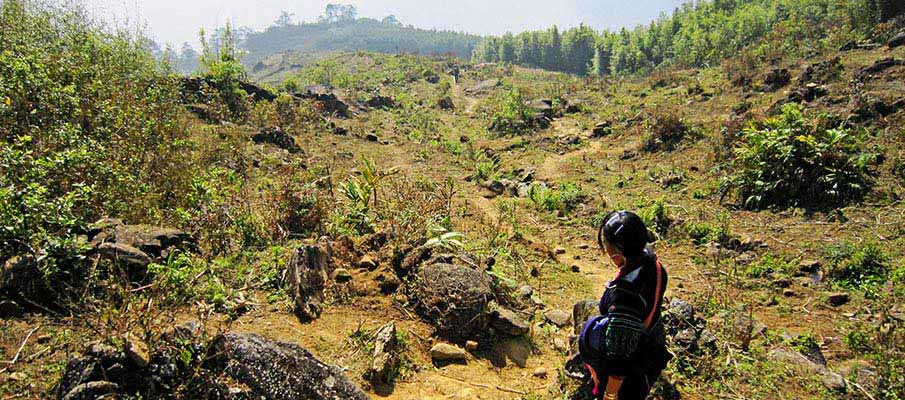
625, 231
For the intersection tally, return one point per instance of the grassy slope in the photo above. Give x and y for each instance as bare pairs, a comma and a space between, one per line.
426, 144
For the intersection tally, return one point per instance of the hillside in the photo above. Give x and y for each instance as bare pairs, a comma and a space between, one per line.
368, 225
361, 34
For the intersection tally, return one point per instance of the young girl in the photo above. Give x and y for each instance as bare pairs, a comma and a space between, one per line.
624, 348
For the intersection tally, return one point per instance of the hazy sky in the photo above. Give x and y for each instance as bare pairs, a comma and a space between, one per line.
177, 21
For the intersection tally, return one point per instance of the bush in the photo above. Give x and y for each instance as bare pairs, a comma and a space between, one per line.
788, 161
508, 113
665, 130
853, 266
564, 197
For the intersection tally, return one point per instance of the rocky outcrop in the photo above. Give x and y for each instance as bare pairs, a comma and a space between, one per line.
275, 136
482, 87
136, 246
446, 103
308, 269
776, 79
277, 370
385, 358
381, 102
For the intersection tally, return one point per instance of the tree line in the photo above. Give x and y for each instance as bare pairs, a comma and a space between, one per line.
694, 35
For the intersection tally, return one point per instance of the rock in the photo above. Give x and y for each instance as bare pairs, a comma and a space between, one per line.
388, 284
277, 370
328, 100
372, 137
454, 299
382, 102
471, 345
686, 339
559, 318
275, 136
525, 291
342, 275
482, 86
602, 129
807, 93
560, 345
782, 283
446, 103
583, 311
707, 340
506, 321
540, 372
821, 72
136, 351
448, 352
135, 260
308, 268
92, 391
541, 106
897, 40
808, 266
17, 377
156, 242
788, 293
746, 327
838, 299
9, 309
776, 79
797, 360
877, 67
385, 361
21, 276
368, 262
576, 269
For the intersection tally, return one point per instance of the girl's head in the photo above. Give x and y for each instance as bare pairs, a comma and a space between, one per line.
623, 236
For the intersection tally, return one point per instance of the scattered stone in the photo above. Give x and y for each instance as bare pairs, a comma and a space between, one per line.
308, 268
135, 260
794, 358
446, 103
776, 79
372, 137
560, 345
807, 93
385, 359
583, 311
877, 67
136, 350
448, 352
506, 321
576, 269
838, 299
821, 72
482, 86
542, 106
471, 345
382, 102
788, 293
602, 129
782, 283
808, 266
342, 275
92, 391
275, 136
368, 262
745, 326
540, 372
278, 370
17, 377
897, 40
559, 318
9, 309
388, 284
525, 291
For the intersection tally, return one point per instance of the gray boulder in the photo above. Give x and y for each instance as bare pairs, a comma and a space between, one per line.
506, 321
278, 370
454, 299
385, 361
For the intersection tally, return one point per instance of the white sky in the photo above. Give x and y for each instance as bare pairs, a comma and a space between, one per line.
177, 21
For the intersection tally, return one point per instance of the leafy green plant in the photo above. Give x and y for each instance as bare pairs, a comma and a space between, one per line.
768, 264
450, 241
565, 197
857, 266
656, 216
509, 114
222, 64
788, 161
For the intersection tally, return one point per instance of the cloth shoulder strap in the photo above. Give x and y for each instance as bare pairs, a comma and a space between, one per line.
657, 296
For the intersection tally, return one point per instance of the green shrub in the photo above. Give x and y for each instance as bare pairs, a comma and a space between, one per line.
565, 197
768, 264
509, 114
857, 266
702, 233
656, 216
788, 161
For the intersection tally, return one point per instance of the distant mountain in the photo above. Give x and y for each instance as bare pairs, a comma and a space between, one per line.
362, 34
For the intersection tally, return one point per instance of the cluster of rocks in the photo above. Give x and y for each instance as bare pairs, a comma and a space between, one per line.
129, 248
277, 137
517, 186
483, 86
232, 366
776, 79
